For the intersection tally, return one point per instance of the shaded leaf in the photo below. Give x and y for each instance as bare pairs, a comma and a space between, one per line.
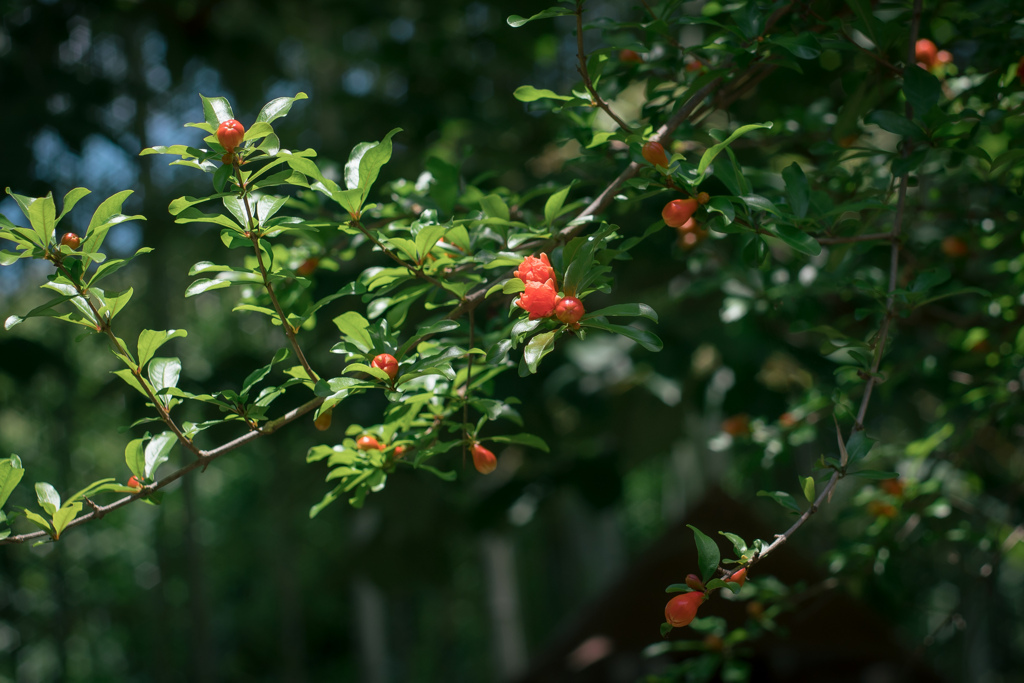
708, 554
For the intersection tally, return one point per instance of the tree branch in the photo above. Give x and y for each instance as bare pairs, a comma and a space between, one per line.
267, 284
894, 254
582, 68
204, 458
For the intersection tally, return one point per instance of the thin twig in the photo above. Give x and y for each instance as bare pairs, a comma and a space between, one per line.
883, 332
104, 326
204, 459
267, 284
418, 272
582, 68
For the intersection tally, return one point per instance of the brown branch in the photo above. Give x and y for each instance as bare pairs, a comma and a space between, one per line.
418, 272
582, 68
204, 458
104, 326
894, 254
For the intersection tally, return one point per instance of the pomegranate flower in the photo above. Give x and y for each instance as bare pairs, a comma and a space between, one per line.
539, 299
534, 269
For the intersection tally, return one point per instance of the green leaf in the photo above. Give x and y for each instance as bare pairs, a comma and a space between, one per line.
929, 278
48, 498
922, 448
782, 498
203, 285
713, 151
797, 189
64, 516
921, 89
328, 498
373, 159
894, 123
38, 520
216, 110
739, 546
528, 93
113, 302
450, 475
11, 473
135, 458
498, 354
115, 265
512, 286
730, 586
129, 377
807, 486
276, 108
801, 46
858, 446
107, 215
70, 199
164, 373
158, 452
708, 554
625, 310
42, 310
515, 21
495, 207
525, 439
426, 238
539, 346
795, 238
648, 340
553, 206
151, 340
353, 327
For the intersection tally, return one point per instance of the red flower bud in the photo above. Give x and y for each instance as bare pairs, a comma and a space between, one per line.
630, 57
678, 211
307, 267
536, 270
681, 609
739, 577
387, 363
230, 134
925, 52
483, 460
654, 153
539, 299
323, 421
134, 482
737, 425
569, 310
71, 240
367, 443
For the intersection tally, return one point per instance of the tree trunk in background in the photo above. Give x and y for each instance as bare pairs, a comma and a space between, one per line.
509, 644
371, 629
201, 659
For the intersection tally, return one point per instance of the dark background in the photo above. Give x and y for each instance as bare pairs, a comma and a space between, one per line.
229, 580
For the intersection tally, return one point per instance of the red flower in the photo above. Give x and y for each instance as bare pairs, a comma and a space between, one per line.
539, 299
536, 270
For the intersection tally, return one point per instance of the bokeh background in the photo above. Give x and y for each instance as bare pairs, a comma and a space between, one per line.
487, 578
